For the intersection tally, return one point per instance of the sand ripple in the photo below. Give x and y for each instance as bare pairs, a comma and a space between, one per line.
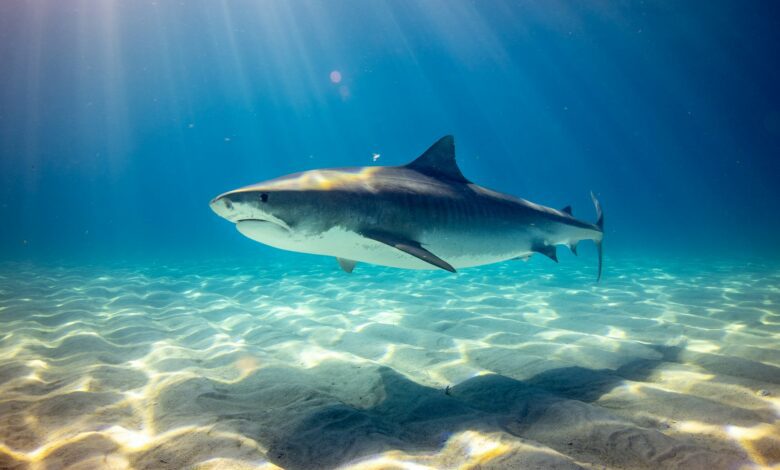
516, 365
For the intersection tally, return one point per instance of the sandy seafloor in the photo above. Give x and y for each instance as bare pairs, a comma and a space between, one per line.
303, 366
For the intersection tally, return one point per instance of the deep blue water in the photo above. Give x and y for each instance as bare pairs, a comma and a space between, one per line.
119, 121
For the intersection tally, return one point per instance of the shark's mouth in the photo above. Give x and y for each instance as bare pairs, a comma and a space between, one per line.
278, 223
270, 220
262, 230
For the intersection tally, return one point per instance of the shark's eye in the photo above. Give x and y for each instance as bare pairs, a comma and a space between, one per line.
264, 197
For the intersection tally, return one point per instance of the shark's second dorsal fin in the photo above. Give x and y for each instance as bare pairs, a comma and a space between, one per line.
439, 161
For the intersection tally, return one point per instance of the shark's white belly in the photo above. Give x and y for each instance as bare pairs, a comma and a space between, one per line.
457, 250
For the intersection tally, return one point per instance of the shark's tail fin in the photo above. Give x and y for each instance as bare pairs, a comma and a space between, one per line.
600, 225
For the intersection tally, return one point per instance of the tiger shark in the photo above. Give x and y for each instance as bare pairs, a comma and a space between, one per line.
422, 215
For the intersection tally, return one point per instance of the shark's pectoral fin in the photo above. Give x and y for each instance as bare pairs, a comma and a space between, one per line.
347, 265
546, 250
410, 247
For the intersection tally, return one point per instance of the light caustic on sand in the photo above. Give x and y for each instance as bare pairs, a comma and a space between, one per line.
502, 366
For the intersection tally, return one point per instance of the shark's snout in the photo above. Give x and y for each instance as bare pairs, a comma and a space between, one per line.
223, 206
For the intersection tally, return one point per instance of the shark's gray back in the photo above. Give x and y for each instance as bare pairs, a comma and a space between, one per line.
411, 202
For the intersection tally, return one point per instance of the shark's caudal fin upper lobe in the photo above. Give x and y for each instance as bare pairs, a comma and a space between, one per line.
600, 225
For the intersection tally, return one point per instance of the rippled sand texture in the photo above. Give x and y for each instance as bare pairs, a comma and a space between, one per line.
519, 365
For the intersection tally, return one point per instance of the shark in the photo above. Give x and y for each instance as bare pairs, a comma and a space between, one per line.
422, 215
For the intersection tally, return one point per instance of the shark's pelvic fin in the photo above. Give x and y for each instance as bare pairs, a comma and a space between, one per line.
410, 247
439, 161
573, 248
567, 210
546, 250
346, 264
600, 225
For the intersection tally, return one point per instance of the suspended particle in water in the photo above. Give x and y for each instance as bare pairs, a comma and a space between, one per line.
335, 76
375, 156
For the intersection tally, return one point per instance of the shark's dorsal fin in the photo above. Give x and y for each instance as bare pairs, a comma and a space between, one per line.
439, 161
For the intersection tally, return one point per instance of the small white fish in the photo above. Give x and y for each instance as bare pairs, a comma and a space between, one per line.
375, 156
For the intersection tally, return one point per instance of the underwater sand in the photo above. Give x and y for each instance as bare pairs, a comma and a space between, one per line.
220, 367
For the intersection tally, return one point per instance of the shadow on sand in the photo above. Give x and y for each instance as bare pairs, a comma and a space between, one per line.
304, 423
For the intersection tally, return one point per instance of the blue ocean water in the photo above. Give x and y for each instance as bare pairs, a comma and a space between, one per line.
140, 330
121, 120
